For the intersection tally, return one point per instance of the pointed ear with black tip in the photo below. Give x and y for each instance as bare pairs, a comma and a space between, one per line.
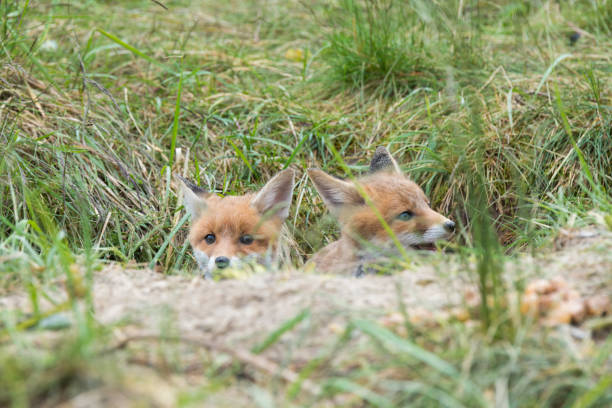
383, 161
194, 197
335, 193
275, 197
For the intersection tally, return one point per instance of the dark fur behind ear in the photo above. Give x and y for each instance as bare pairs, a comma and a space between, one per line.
191, 185
383, 160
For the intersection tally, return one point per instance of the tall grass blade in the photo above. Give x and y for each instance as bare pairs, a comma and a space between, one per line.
346, 385
175, 120
549, 71
284, 328
590, 398
134, 50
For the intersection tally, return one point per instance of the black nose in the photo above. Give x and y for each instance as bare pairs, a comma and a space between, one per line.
449, 226
222, 262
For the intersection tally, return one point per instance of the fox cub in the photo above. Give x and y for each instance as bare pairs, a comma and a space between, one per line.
401, 203
225, 231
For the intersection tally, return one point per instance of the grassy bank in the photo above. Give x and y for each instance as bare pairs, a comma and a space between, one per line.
499, 110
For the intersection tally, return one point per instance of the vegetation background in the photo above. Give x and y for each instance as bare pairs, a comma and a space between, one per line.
499, 110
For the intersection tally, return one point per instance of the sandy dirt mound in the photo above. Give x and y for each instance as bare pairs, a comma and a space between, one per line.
243, 312
232, 317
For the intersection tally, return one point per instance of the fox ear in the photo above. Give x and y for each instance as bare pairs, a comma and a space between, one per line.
275, 197
383, 160
335, 193
194, 197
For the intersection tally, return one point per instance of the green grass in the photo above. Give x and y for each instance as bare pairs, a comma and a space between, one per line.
380, 45
489, 106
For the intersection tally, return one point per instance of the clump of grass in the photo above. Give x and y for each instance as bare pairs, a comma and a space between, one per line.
30, 378
379, 45
592, 16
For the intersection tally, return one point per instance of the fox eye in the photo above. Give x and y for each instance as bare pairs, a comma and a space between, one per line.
405, 216
246, 239
210, 239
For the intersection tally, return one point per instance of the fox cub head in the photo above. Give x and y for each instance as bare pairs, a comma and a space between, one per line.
225, 230
401, 203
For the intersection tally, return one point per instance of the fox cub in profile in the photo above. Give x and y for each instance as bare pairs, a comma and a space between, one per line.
225, 231
400, 202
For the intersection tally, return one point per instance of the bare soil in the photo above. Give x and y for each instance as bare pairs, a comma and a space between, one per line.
244, 311
239, 314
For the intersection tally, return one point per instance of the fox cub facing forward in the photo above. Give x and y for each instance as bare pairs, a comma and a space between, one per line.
226, 230
401, 203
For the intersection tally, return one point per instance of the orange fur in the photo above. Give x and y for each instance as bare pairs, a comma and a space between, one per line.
391, 193
229, 218
226, 229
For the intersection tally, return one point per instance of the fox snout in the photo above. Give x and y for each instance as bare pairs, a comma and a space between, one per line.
449, 226
208, 265
437, 232
222, 262
434, 224
425, 231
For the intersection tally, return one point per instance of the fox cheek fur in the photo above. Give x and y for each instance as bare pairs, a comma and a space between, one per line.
203, 261
226, 231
